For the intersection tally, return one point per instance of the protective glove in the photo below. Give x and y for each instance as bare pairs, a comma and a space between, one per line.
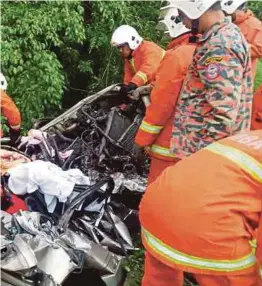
127, 88
14, 136
138, 151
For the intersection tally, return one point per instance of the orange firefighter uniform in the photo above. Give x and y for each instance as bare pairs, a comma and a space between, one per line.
156, 128
145, 60
251, 28
256, 122
10, 111
200, 216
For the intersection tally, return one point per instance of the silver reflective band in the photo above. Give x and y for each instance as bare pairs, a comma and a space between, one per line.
243, 160
196, 262
161, 151
153, 129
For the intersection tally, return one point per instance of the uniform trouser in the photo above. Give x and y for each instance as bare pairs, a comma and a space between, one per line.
159, 274
157, 166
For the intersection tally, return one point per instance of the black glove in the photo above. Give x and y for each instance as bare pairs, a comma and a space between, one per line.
126, 88
138, 151
14, 136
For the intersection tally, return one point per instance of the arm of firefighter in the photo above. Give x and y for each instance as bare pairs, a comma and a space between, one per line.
259, 245
221, 72
163, 100
255, 41
257, 108
149, 64
10, 111
127, 72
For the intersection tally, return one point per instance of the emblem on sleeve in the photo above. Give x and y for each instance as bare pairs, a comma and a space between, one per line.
213, 71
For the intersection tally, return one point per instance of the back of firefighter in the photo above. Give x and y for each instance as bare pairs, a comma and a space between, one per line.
249, 25
156, 128
216, 99
9, 111
142, 58
200, 215
256, 122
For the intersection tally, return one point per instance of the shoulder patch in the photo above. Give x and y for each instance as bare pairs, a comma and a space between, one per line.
213, 60
213, 71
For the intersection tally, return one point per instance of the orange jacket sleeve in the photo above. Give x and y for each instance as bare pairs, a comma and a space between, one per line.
168, 81
10, 111
151, 57
128, 74
256, 121
254, 37
163, 100
259, 245
251, 28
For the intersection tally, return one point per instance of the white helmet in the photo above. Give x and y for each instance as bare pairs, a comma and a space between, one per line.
230, 6
3, 82
171, 21
126, 34
193, 9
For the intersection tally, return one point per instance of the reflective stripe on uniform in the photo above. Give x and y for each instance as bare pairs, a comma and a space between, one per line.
149, 128
15, 126
181, 258
142, 75
161, 151
163, 54
132, 62
243, 160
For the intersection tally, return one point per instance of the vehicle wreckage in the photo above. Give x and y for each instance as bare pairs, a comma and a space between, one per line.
88, 152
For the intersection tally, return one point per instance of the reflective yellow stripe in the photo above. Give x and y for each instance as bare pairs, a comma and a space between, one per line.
142, 75
15, 126
163, 54
181, 258
260, 272
243, 160
153, 129
132, 62
161, 151
253, 244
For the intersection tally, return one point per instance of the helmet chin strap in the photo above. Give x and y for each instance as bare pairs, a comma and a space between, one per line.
194, 31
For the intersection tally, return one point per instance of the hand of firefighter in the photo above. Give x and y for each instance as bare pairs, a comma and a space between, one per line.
127, 88
141, 91
138, 151
14, 136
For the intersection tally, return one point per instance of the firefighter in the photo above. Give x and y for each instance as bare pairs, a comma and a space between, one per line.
256, 122
10, 111
216, 98
249, 25
156, 128
142, 58
200, 216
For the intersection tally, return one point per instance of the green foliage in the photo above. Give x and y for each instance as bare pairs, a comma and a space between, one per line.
50, 47
51, 50
106, 17
258, 80
32, 34
256, 7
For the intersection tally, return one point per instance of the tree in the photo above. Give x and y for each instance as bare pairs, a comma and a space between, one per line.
32, 31
48, 47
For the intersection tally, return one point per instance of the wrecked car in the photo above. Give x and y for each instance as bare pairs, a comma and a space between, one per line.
92, 227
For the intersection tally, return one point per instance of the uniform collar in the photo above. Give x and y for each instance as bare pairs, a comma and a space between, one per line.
217, 26
183, 39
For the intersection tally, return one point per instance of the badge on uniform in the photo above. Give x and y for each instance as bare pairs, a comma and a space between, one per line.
213, 68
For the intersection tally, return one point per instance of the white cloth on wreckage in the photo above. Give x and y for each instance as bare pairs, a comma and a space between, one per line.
50, 179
